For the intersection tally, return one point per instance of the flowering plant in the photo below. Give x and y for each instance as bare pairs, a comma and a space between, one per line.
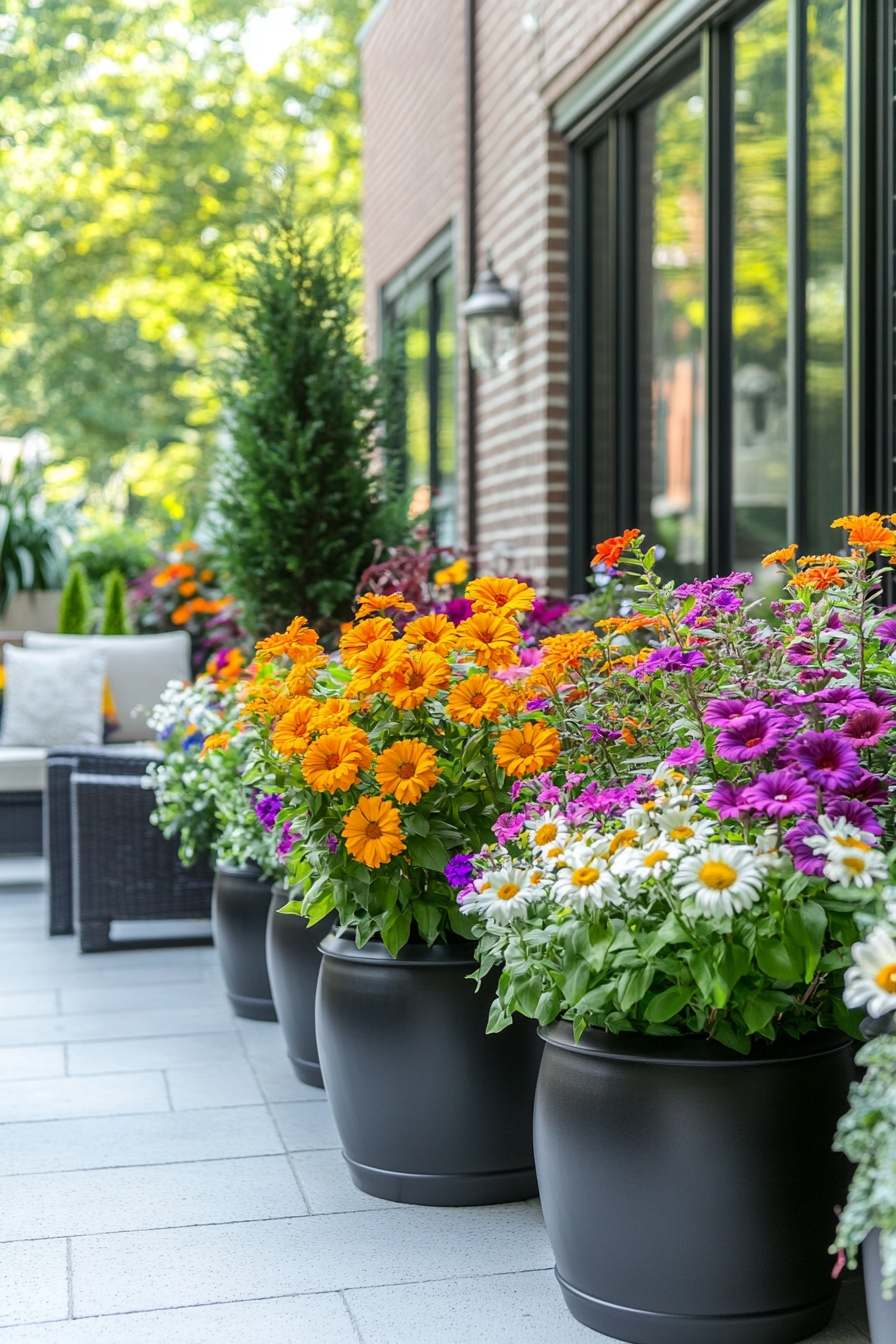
182, 592
200, 792
398, 755
715, 826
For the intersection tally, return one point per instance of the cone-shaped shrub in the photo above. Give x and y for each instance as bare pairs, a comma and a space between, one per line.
76, 604
115, 616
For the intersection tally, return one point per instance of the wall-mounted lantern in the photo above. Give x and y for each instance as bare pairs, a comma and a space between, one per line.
492, 315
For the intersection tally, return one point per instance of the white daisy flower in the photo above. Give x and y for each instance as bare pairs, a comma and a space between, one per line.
871, 981
585, 881
767, 853
643, 820
681, 823
548, 831
502, 894
658, 856
850, 855
722, 879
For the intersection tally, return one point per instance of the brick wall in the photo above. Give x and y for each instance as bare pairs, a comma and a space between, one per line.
413, 107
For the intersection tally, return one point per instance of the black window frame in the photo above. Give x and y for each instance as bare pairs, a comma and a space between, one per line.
708, 36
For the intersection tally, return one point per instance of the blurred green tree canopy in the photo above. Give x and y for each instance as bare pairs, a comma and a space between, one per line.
142, 144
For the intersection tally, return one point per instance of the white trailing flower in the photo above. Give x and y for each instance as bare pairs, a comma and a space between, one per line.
657, 857
849, 853
585, 881
722, 879
681, 823
502, 894
871, 980
768, 855
548, 832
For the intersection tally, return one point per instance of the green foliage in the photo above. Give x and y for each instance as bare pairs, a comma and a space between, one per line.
124, 549
31, 551
296, 508
392, 525
115, 618
76, 606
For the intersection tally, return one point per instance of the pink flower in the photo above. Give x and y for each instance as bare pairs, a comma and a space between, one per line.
826, 760
866, 727
719, 713
691, 755
804, 858
727, 799
780, 794
751, 736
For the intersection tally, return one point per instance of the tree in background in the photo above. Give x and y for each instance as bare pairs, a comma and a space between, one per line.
32, 555
140, 148
115, 617
76, 604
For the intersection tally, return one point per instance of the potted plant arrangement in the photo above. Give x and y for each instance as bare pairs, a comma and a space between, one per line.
201, 797
867, 1133
674, 902
384, 765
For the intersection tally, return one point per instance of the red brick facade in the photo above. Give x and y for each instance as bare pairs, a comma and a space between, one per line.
528, 53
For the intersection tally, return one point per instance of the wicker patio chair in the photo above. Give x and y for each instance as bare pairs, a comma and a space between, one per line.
122, 867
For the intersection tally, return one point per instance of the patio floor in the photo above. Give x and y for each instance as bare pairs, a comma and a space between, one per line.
164, 1177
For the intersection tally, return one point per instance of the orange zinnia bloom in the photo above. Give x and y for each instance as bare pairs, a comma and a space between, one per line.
781, 557
184, 546
188, 588
182, 614
375, 665
850, 520
206, 575
492, 639
336, 759
172, 574
569, 650
374, 602
805, 560
292, 736
421, 673
357, 637
871, 535
332, 714
298, 634
478, 697
435, 632
526, 750
821, 579
609, 551
407, 770
214, 743
372, 831
625, 625
500, 594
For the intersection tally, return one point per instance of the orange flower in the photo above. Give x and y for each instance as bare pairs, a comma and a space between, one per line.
357, 638
781, 557
292, 736
608, 552
206, 575
820, 579
182, 614
172, 574
547, 676
500, 594
216, 742
268, 698
229, 668
872, 536
332, 714
297, 635
625, 625
567, 651
526, 750
301, 675
183, 546
407, 770
372, 831
850, 520
805, 560
375, 666
336, 759
421, 673
478, 697
187, 589
435, 632
453, 573
492, 639
210, 608
370, 603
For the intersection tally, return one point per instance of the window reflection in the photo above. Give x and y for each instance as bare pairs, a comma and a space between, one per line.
761, 451
672, 504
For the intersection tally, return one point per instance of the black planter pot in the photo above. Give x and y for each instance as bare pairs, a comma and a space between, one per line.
293, 965
240, 901
429, 1109
689, 1193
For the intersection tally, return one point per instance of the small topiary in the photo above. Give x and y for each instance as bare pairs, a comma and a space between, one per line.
76, 604
115, 616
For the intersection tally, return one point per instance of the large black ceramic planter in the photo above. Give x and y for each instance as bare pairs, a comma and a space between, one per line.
240, 901
293, 965
429, 1109
689, 1193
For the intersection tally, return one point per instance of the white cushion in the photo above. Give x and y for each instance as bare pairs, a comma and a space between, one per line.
139, 668
52, 697
23, 769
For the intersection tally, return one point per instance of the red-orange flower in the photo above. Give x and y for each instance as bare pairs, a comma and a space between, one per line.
297, 635
370, 603
567, 651
609, 551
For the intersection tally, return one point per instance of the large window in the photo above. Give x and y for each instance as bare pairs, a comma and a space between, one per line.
418, 312
722, 221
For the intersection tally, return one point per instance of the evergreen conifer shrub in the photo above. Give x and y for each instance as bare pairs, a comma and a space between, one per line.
115, 617
76, 603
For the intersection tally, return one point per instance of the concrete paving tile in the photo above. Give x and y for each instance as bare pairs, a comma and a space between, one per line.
115, 1026
305, 1124
183, 1194
316, 1319
31, 1061
230, 1083
137, 1140
155, 1052
75, 975
326, 1184
261, 1038
37, 1003
188, 1266
33, 1282
63, 1098
278, 1081
122, 997
502, 1309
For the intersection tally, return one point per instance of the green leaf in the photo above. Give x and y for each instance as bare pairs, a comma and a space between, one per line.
734, 963
428, 852
498, 1017
848, 1019
806, 925
415, 823
663, 1006
759, 1010
775, 960
548, 1006
701, 968
633, 986
320, 909
725, 1032
396, 931
291, 908
575, 983
428, 918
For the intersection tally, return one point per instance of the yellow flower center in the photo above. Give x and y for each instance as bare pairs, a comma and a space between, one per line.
525, 749
546, 833
332, 761
849, 842
647, 807
623, 840
717, 875
854, 865
477, 700
408, 770
372, 831
555, 852
886, 978
584, 877
508, 891
681, 833
657, 856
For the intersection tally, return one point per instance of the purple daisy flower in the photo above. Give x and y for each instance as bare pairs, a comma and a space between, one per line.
804, 858
598, 734
827, 760
727, 601
573, 778
866, 727
810, 674
549, 794
856, 813
538, 703
870, 789
727, 799
673, 660
881, 697
719, 713
267, 806
751, 736
842, 700
691, 755
780, 794
886, 631
459, 870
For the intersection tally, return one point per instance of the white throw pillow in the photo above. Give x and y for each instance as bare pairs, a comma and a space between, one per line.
53, 697
139, 668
